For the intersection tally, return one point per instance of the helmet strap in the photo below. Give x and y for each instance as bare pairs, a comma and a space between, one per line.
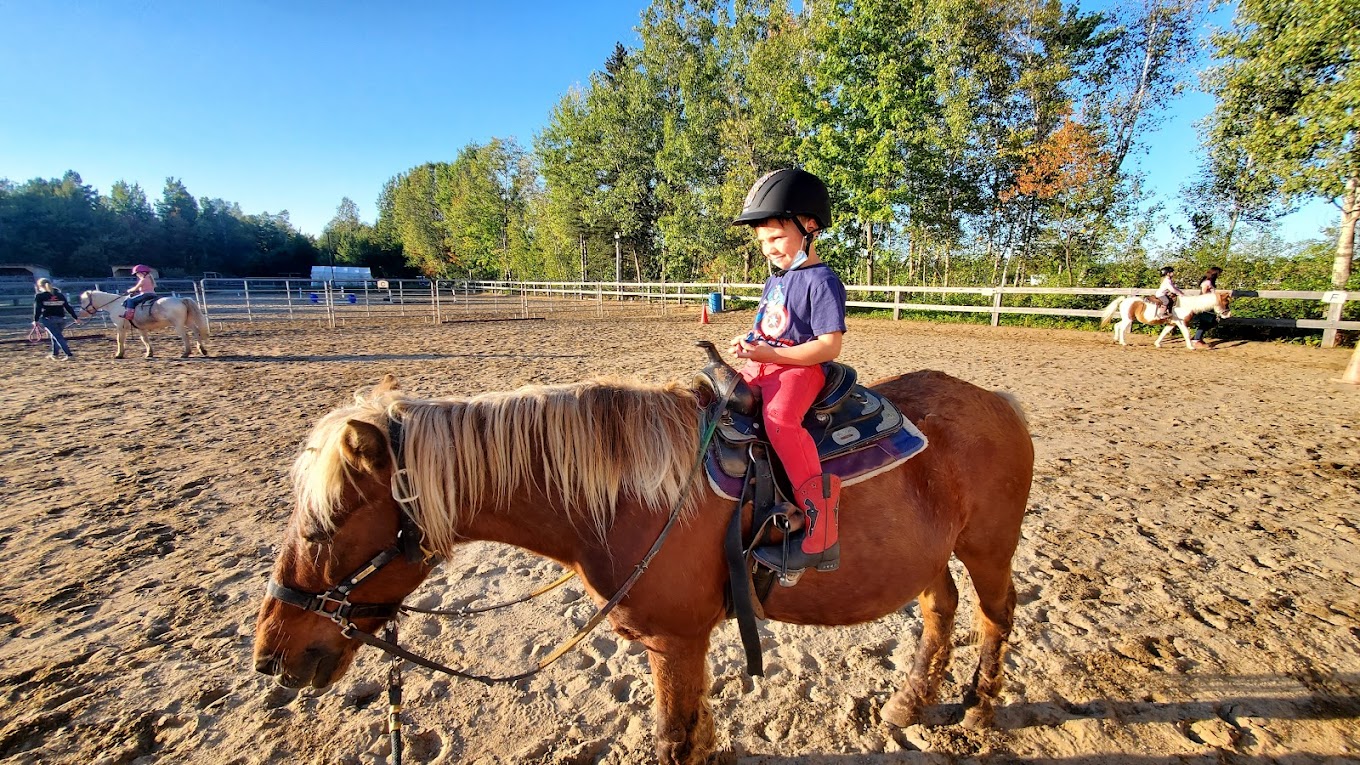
802, 255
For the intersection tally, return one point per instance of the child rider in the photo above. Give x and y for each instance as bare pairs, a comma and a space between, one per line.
798, 328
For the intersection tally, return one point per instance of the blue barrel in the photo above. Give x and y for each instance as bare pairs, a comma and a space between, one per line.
715, 302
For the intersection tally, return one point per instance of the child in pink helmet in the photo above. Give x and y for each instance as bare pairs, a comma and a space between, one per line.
143, 291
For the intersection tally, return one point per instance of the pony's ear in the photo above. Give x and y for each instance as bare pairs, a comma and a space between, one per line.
364, 444
389, 383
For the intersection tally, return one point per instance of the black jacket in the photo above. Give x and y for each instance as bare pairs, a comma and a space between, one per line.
50, 305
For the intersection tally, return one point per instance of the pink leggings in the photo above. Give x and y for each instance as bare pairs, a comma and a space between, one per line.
788, 393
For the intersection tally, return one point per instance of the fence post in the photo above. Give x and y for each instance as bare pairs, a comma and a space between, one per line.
434, 300
996, 306
897, 303
401, 297
288, 291
250, 317
368, 307
1333, 316
201, 287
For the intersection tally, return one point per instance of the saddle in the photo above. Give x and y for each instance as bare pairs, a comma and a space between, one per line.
845, 420
141, 310
859, 434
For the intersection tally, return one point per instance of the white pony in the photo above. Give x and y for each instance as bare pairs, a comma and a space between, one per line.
181, 314
1145, 308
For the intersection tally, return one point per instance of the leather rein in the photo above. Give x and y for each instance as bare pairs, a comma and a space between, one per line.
334, 604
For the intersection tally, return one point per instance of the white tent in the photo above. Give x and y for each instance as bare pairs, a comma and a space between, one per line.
341, 275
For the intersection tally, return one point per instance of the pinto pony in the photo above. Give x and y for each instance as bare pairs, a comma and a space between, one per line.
586, 473
181, 314
1145, 309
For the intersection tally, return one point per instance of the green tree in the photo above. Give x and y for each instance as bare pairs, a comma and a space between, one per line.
178, 212
417, 220
345, 236
1288, 83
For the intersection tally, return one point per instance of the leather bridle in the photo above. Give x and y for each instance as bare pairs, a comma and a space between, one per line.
91, 309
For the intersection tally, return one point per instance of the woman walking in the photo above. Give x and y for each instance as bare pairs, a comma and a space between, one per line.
49, 309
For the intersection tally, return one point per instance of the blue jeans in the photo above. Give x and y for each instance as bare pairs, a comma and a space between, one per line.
54, 328
1202, 322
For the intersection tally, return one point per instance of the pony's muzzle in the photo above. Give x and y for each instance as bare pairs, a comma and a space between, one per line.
316, 667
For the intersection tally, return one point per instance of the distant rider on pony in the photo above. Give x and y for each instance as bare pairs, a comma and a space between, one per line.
798, 328
144, 290
1167, 292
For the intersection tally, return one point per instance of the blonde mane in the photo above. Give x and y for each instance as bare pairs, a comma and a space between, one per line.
591, 444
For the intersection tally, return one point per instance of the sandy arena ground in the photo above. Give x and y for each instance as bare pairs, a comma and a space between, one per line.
1188, 577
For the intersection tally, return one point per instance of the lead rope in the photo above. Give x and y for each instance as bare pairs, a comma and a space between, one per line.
394, 697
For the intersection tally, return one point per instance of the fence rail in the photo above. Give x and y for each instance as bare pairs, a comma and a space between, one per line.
339, 303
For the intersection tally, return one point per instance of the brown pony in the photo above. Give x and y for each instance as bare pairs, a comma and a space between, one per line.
586, 473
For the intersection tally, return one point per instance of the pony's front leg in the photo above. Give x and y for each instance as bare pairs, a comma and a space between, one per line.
146, 341
1165, 331
684, 721
122, 340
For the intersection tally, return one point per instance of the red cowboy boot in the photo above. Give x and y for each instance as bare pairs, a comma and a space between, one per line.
819, 544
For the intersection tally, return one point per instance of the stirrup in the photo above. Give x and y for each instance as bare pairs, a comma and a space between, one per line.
789, 561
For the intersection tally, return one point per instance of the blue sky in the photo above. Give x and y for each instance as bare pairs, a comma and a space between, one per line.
292, 106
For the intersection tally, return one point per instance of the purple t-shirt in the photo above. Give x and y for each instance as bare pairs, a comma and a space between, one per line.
800, 305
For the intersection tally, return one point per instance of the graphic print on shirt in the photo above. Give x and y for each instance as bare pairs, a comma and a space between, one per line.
773, 320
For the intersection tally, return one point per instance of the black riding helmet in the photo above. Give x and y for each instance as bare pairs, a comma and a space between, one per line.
786, 194
1168, 270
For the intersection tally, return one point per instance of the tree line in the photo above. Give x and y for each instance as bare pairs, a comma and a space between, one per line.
69, 227
965, 142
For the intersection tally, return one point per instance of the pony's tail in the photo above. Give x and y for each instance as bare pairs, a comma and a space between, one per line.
196, 317
1110, 311
1010, 398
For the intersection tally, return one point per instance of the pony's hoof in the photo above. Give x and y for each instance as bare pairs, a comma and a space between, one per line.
978, 718
900, 714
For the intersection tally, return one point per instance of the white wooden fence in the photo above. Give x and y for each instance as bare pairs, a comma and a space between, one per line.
990, 300
337, 304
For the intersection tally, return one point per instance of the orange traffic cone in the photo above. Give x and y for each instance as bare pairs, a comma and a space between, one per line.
703, 314
1352, 375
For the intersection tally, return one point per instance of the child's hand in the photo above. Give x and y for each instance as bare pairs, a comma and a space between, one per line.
754, 351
